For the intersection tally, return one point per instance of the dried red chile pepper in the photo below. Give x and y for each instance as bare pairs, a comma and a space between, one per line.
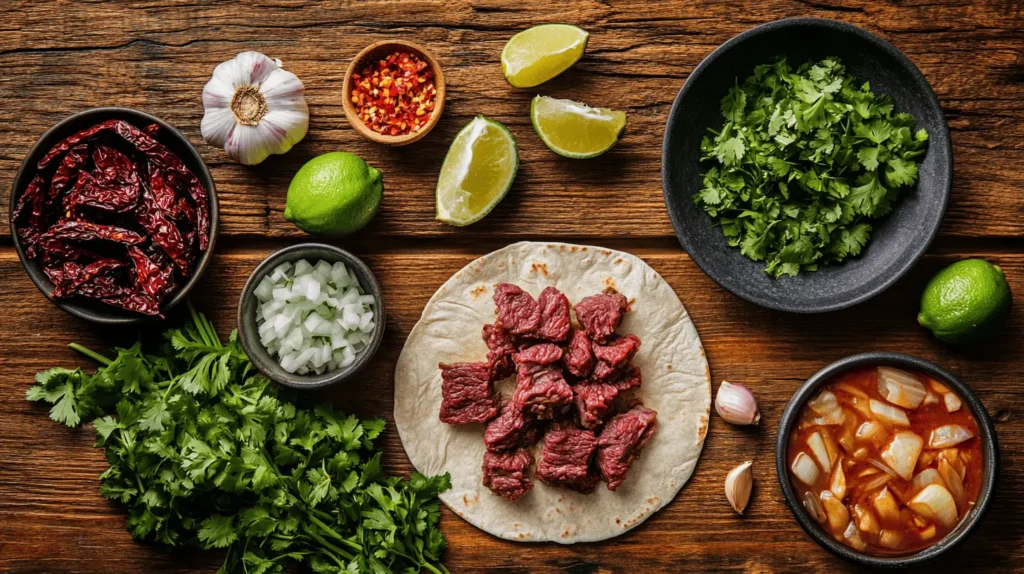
119, 218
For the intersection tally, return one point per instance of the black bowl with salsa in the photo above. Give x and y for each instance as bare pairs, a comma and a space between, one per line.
886, 459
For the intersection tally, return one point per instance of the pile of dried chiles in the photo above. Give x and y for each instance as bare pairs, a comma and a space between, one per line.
569, 375
115, 216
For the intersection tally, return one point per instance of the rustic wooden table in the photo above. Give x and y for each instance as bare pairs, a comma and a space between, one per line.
62, 57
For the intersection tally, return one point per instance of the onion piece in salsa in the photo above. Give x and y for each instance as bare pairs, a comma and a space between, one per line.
886, 460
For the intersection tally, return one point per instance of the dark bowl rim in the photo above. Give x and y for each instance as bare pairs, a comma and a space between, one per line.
989, 441
99, 315
942, 138
259, 355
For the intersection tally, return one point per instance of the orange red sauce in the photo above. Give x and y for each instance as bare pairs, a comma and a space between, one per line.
877, 532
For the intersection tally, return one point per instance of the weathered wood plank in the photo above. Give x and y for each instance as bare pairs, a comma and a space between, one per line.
156, 55
54, 518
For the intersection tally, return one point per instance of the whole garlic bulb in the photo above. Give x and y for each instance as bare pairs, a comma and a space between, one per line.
254, 108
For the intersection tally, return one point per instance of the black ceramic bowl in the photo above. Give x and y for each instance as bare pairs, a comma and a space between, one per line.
897, 241
250, 337
167, 135
989, 446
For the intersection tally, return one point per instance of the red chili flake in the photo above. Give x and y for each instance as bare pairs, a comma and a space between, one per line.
395, 95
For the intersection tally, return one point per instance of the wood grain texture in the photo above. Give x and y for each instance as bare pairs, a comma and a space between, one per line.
155, 55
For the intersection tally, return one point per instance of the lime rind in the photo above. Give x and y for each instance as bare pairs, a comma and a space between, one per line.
473, 131
601, 114
579, 45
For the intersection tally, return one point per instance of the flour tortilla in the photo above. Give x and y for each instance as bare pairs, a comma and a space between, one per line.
675, 383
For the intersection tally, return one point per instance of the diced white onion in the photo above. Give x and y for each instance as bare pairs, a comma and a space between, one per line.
889, 414
900, 387
923, 479
902, 452
952, 401
936, 503
871, 431
838, 514
313, 318
886, 505
946, 436
805, 469
820, 453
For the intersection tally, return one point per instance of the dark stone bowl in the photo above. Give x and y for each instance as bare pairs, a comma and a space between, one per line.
248, 330
87, 308
897, 241
989, 447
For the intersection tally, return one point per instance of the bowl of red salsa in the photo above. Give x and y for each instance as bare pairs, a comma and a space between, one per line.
886, 460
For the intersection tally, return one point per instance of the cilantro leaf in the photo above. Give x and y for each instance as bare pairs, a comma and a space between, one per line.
204, 455
804, 161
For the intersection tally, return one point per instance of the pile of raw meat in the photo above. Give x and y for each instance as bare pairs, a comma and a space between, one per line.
569, 372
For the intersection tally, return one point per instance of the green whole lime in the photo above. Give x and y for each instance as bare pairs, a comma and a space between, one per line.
965, 302
334, 194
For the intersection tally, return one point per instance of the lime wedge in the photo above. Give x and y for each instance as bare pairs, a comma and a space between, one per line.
538, 54
575, 130
477, 172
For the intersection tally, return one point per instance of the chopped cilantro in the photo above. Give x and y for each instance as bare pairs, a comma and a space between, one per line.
203, 452
805, 160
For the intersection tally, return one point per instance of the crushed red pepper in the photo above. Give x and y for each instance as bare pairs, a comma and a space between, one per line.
395, 95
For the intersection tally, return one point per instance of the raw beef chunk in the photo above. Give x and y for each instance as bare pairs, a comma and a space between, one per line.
627, 378
510, 430
505, 473
517, 311
499, 355
620, 443
554, 315
593, 401
579, 358
601, 314
619, 351
467, 395
565, 459
543, 354
541, 390
615, 354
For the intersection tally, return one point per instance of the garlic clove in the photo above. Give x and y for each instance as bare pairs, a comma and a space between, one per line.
738, 484
246, 145
291, 127
736, 404
217, 125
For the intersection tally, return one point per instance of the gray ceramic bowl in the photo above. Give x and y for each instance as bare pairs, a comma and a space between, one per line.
989, 446
170, 137
897, 240
249, 335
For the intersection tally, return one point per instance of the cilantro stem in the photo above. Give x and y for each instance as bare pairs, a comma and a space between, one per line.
320, 539
428, 566
91, 354
334, 534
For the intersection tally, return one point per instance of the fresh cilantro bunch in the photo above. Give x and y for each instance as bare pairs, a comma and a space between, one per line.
805, 160
203, 452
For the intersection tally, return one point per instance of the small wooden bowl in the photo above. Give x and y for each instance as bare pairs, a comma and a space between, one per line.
378, 50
